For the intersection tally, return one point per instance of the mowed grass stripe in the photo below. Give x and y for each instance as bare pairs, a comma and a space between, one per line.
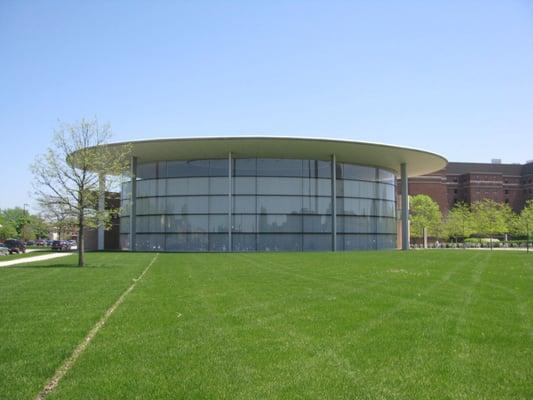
80, 348
354, 325
45, 314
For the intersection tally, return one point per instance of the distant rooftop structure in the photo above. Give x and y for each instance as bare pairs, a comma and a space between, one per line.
496, 161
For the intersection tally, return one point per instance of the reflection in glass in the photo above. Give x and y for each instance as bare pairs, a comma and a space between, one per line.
277, 205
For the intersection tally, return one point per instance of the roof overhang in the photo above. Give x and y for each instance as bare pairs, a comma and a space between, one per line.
418, 162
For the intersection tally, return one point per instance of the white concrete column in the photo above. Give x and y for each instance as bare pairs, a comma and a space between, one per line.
133, 202
101, 209
405, 207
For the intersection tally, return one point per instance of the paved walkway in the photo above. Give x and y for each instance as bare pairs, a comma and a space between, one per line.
32, 259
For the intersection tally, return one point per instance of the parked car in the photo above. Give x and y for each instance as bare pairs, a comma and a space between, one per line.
30, 243
15, 246
4, 251
40, 242
62, 245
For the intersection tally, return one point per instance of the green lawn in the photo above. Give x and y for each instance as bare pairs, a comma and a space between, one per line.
365, 325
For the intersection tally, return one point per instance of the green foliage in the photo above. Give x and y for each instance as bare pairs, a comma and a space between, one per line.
491, 218
524, 223
424, 213
459, 221
19, 223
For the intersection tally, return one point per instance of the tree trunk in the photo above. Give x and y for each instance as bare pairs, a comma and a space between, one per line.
81, 247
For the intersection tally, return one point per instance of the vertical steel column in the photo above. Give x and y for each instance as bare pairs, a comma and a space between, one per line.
101, 209
230, 200
133, 202
405, 207
334, 202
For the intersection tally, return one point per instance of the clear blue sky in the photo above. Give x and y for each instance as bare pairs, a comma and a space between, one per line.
454, 77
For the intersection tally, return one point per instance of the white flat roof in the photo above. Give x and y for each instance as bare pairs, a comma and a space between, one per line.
419, 162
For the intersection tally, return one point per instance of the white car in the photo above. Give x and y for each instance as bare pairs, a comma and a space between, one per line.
4, 251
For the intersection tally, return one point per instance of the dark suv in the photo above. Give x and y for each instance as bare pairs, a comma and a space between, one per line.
61, 245
15, 246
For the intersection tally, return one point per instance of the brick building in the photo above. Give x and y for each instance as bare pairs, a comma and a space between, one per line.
470, 182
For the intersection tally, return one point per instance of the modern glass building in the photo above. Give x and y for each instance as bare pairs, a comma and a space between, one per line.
265, 194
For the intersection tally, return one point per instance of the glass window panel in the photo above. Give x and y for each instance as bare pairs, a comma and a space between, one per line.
147, 171
355, 206
162, 169
186, 223
124, 207
279, 205
244, 223
356, 224
197, 186
124, 242
197, 242
317, 223
386, 241
280, 223
243, 242
279, 242
244, 185
359, 242
218, 223
147, 188
124, 224
385, 176
188, 168
316, 169
187, 186
316, 205
125, 190
244, 204
150, 205
150, 223
245, 167
149, 242
176, 242
350, 171
218, 185
187, 205
177, 186
279, 186
385, 225
349, 188
279, 167
218, 167
218, 242
218, 204
187, 242
316, 187
317, 242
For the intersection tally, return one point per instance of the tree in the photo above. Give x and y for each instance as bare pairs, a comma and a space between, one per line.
491, 218
73, 170
459, 221
16, 217
59, 217
524, 223
7, 228
424, 213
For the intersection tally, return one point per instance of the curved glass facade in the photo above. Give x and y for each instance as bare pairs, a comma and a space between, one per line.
270, 205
